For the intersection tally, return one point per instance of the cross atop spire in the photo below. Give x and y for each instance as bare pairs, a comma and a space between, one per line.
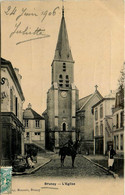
96, 86
63, 11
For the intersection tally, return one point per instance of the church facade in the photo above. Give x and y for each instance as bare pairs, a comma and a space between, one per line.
85, 121
62, 97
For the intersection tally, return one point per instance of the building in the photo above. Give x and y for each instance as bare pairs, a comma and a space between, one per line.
85, 120
12, 99
34, 127
118, 122
103, 123
62, 97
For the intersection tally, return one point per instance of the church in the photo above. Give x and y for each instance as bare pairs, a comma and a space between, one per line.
67, 116
62, 97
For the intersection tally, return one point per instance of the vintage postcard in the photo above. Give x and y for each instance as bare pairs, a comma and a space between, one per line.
62, 97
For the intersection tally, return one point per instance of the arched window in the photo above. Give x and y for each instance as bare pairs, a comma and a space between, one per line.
67, 76
60, 76
64, 126
60, 80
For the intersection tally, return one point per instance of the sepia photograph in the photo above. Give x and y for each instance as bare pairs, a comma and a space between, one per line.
62, 97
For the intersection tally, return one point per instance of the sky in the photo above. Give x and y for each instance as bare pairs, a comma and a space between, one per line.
95, 31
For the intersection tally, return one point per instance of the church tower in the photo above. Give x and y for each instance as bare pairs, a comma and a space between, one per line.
62, 97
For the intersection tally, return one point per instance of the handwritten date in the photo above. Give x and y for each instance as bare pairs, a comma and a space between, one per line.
24, 12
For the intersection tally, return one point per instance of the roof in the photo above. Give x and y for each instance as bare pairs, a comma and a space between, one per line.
45, 112
107, 97
7, 64
112, 94
63, 51
85, 100
29, 113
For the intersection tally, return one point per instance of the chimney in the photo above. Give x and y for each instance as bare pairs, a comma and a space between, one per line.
19, 77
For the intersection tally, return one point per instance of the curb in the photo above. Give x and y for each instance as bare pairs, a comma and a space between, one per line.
104, 168
32, 171
37, 168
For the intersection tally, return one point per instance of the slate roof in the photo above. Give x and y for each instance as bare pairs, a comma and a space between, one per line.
29, 113
85, 100
63, 51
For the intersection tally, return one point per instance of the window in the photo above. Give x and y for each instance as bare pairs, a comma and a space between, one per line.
27, 134
96, 114
11, 100
37, 133
26, 123
64, 126
117, 142
101, 111
82, 121
117, 121
121, 142
121, 119
61, 85
16, 106
67, 85
67, 77
96, 130
64, 66
61, 81
101, 128
37, 123
60, 76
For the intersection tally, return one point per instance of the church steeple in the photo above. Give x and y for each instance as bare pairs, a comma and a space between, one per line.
62, 97
63, 52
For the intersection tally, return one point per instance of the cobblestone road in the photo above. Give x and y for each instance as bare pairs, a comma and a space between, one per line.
83, 168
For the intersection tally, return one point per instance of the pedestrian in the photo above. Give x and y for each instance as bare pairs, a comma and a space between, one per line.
29, 161
111, 154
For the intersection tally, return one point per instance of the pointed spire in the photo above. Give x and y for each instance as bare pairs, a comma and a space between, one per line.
63, 51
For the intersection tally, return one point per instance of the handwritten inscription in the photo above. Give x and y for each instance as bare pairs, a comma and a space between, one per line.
37, 32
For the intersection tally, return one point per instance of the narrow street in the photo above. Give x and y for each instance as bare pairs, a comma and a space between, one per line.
83, 169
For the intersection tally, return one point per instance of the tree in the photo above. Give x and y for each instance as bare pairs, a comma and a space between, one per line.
121, 79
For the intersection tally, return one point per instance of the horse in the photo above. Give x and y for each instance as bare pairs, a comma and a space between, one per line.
69, 151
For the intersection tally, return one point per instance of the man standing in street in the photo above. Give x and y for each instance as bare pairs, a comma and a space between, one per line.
111, 154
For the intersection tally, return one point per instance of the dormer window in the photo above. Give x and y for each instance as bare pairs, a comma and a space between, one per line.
37, 123
26, 123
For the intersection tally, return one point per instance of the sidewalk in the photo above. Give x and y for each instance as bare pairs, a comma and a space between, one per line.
102, 162
41, 161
